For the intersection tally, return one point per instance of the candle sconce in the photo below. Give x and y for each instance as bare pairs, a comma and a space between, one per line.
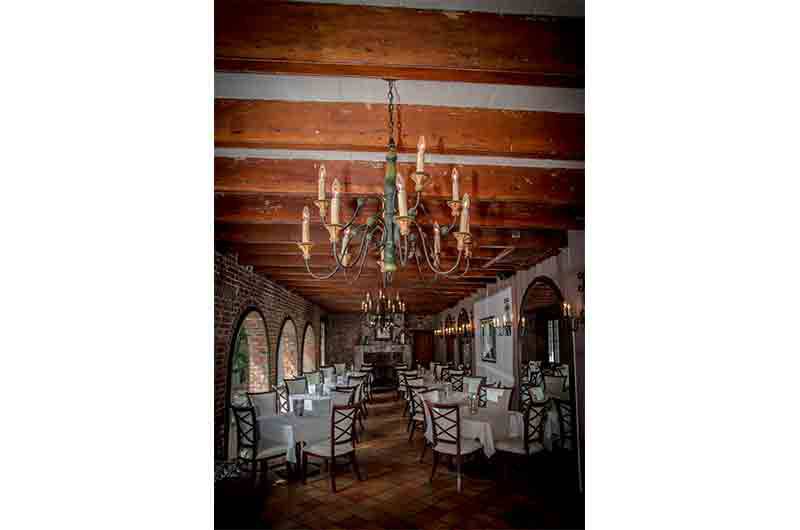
576, 319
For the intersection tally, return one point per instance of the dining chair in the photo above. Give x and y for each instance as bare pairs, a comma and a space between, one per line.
532, 438
296, 385
253, 452
328, 374
456, 378
407, 383
283, 399
416, 414
505, 395
313, 378
554, 385
447, 437
265, 403
473, 384
343, 395
426, 396
359, 381
342, 442
530, 393
565, 439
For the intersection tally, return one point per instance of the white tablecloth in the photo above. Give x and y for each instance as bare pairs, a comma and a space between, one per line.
290, 429
489, 424
313, 404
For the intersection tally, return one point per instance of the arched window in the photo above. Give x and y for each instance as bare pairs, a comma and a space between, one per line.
249, 366
287, 351
309, 349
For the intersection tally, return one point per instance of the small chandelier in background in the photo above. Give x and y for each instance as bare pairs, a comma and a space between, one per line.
382, 312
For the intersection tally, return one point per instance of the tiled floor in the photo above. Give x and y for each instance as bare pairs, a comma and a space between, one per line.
396, 492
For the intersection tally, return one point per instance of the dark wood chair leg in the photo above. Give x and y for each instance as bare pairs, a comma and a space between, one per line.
288, 470
458, 470
305, 466
413, 428
354, 465
333, 474
424, 447
435, 463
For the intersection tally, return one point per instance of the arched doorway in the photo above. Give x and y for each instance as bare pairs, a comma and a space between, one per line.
543, 336
248, 367
309, 349
288, 357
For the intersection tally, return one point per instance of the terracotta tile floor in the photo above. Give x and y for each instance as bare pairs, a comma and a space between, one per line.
396, 492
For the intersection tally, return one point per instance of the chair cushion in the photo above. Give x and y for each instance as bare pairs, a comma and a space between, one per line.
517, 445
324, 449
468, 445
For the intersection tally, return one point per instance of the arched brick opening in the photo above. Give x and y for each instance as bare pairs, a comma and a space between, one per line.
309, 349
288, 351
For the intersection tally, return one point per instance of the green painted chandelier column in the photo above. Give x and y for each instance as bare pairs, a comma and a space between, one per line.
389, 191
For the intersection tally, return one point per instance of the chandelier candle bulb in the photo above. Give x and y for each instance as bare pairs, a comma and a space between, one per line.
421, 155
456, 193
336, 200
306, 225
402, 201
465, 215
321, 190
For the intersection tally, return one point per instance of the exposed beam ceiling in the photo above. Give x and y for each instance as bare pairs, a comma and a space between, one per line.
335, 40
496, 93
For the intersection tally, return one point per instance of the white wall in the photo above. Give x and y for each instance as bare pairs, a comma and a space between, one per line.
503, 369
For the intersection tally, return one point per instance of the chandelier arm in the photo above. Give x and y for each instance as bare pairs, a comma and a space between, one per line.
427, 258
466, 270
362, 256
323, 276
336, 254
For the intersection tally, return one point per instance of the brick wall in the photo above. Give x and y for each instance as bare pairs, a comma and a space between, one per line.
236, 290
345, 329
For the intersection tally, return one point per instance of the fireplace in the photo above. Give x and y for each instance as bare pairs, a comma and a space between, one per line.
382, 357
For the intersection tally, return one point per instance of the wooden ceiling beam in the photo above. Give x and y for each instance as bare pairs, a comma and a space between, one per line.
397, 43
484, 237
328, 262
287, 178
256, 209
362, 127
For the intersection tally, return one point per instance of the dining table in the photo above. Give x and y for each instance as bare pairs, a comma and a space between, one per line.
290, 430
488, 424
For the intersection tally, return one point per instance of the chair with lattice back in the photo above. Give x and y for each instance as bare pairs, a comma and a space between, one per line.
252, 451
408, 382
296, 385
313, 378
342, 442
564, 440
283, 399
265, 403
456, 379
416, 414
446, 419
359, 381
343, 395
531, 441
503, 395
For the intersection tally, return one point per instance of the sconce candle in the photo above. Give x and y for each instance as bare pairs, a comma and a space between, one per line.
456, 193
465, 215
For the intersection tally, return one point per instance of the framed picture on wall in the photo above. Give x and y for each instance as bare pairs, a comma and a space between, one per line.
383, 333
488, 342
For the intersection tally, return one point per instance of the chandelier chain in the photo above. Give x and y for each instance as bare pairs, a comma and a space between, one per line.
391, 111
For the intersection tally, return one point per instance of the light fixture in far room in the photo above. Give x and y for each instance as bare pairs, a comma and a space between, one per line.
576, 318
503, 324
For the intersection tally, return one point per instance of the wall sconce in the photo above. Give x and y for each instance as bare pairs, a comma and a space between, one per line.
522, 326
576, 319
503, 324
